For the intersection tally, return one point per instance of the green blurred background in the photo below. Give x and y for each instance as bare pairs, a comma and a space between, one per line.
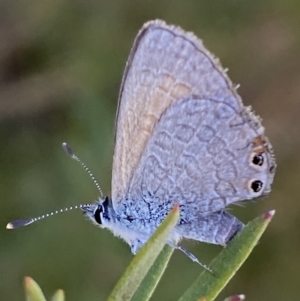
61, 63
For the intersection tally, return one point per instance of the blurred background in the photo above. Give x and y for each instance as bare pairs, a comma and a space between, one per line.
61, 64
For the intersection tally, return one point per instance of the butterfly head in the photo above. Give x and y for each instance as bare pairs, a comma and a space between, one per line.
99, 213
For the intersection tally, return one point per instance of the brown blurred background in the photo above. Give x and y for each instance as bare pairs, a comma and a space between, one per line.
61, 64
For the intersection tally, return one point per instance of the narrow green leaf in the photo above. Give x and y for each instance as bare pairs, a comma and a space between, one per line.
226, 264
59, 295
148, 285
32, 290
142, 262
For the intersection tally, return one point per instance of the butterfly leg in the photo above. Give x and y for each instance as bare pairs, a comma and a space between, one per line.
189, 255
137, 244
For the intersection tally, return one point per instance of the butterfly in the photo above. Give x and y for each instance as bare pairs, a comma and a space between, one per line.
183, 136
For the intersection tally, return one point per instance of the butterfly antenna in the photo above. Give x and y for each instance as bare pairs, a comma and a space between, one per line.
24, 222
70, 152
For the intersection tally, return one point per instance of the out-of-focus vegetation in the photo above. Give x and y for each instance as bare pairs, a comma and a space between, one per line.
61, 64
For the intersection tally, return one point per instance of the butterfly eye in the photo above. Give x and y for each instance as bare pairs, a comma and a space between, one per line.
256, 185
97, 215
258, 159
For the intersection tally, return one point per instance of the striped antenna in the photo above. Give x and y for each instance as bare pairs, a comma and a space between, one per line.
24, 222
70, 152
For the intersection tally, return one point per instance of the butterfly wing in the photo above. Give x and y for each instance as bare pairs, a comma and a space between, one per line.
201, 156
182, 132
